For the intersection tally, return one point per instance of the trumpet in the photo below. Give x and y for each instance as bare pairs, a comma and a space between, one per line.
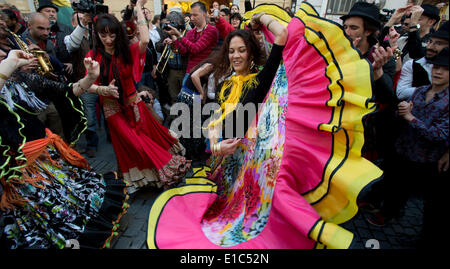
164, 59
45, 67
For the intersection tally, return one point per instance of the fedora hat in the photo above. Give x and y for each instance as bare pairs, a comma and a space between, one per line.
430, 11
369, 12
441, 58
442, 32
46, 3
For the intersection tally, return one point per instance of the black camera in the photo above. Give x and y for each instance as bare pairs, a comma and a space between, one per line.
146, 99
93, 7
179, 27
388, 15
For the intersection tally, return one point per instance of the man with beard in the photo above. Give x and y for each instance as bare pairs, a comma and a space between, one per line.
57, 33
417, 73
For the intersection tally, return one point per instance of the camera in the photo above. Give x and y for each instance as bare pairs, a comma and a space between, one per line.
388, 15
146, 99
179, 27
93, 7
133, 2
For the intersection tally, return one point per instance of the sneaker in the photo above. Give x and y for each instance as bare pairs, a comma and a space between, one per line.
91, 153
377, 219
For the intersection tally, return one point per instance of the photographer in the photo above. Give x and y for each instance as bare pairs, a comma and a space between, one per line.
198, 42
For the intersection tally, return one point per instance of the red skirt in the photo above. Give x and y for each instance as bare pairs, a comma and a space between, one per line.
146, 152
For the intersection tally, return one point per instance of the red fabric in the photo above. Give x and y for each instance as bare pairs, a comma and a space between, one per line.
143, 144
224, 27
197, 45
128, 74
138, 139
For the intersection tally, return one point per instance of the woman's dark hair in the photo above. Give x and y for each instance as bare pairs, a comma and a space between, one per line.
236, 15
222, 62
107, 23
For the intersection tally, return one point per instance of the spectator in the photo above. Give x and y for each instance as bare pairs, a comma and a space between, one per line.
423, 140
234, 9
198, 42
361, 25
423, 18
215, 5
78, 46
149, 96
177, 63
13, 23
223, 25
58, 31
225, 13
235, 20
417, 73
38, 32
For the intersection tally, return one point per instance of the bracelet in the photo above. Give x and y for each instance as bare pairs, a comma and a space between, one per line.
3, 76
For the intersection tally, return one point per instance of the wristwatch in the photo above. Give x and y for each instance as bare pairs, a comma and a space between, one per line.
417, 26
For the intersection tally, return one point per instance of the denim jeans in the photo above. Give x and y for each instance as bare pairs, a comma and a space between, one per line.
90, 110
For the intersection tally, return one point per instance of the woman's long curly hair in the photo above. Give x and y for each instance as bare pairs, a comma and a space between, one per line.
222, 65
107, 23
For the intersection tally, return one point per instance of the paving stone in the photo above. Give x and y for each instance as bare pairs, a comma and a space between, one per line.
379, 235
134, 228
138, 242
124, 243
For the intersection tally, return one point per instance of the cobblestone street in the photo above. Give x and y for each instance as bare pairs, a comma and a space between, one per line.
400, 234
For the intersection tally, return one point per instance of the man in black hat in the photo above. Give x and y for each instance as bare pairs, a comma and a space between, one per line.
57, 33
417, 73
361, 25
423, 18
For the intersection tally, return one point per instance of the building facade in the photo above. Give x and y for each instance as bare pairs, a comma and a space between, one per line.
331, 9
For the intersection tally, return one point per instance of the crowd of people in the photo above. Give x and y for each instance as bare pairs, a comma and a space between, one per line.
59, 81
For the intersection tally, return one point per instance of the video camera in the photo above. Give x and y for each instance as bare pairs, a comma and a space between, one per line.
93, 7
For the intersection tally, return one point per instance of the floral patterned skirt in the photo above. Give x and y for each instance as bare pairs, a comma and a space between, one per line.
74, 206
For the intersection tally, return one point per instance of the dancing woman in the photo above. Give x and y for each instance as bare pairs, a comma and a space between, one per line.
49, 195
297, 171
145, 150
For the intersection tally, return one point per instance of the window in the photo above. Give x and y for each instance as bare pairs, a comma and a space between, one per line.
340, 7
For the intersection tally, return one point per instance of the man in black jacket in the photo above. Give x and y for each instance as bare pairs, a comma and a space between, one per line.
57, 33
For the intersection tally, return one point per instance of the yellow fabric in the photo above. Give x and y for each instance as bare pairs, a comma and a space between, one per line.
62, 3
164, 198
228, 103
347, 172
274, 11
331, 236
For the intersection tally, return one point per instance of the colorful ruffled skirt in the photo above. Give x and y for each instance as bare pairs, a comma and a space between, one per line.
297, 173
64, 203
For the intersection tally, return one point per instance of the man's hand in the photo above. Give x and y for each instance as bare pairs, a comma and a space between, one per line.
68, 68
404, 110
398, 14
140, 3
380, 57
443, 163
416, 12
393, 38
173, 31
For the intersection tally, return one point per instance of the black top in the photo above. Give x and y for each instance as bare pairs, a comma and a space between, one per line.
254, 95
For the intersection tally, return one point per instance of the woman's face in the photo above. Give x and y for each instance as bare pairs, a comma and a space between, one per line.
239, 55
108, 39
235, 22
234, 9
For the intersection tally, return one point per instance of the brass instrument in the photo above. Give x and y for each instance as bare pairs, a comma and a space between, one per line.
45, 67
164, 59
